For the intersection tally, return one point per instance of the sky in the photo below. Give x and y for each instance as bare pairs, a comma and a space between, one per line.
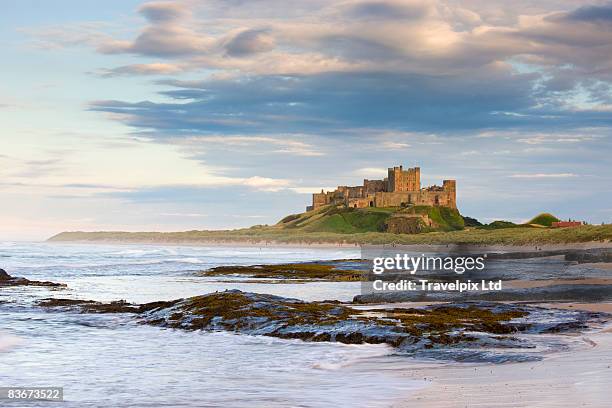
182, 115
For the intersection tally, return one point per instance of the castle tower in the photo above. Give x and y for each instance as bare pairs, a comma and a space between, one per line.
450, 189
404, 180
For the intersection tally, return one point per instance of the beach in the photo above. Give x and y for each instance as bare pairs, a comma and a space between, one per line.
577, 378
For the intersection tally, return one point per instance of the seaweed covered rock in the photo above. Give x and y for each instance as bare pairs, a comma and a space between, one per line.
460, 331
90, 306
8, 280
300, 271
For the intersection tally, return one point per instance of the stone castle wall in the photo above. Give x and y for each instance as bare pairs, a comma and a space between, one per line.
373, 186
400, 188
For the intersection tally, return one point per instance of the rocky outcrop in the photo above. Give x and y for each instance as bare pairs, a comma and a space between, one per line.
466, 331
4, 276
8, 280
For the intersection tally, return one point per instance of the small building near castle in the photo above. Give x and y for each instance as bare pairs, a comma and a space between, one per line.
399, 189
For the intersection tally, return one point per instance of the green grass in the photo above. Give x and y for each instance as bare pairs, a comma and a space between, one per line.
349, 221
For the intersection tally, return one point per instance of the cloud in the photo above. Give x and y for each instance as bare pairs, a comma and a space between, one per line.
292, 67
249, 42
544, 175
154, 68
404, 36
372, 172
407, 64
265, 183
558, 138
593, 13
276, 104
190, 215
388, 10
394, 145
37, 168
289, 144
166, 35
311, 190
163, 12
59, 190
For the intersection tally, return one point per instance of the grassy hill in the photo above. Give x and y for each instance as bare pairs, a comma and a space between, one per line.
544, 219
342, 220
499, 225
540, 220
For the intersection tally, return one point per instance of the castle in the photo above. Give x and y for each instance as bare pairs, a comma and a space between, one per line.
400, 188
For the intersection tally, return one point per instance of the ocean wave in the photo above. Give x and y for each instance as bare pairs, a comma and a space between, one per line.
348, 357
144, 252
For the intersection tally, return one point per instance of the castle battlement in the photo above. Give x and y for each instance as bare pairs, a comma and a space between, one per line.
400, 188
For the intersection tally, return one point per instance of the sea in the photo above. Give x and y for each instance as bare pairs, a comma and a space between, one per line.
110, 360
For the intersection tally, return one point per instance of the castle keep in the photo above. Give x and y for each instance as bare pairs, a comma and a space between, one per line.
400, 188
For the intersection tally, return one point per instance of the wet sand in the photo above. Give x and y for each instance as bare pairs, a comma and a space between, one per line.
591, 307
599, 265
578, 378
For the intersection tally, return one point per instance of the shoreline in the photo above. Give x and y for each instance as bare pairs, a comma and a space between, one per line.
521, 236
536, 247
